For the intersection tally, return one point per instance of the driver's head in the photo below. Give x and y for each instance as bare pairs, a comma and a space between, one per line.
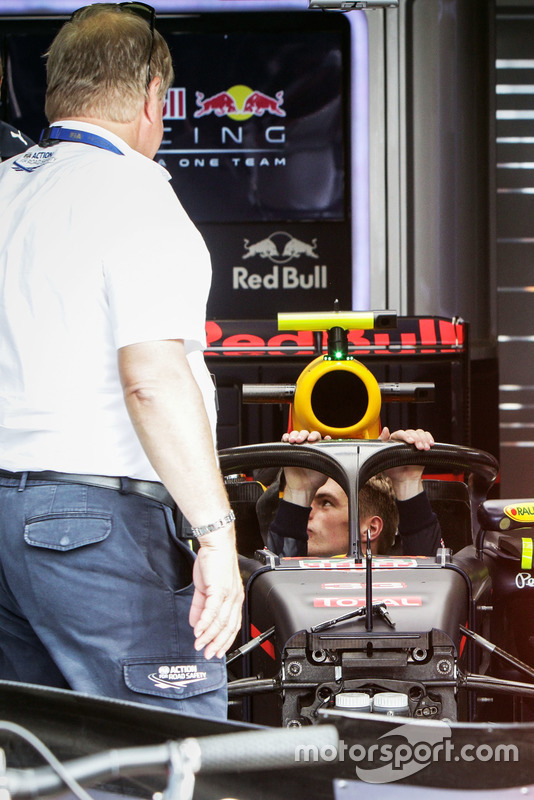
328, 524
378, 513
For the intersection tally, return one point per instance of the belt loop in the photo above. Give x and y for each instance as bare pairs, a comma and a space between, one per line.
125, 486
22, 484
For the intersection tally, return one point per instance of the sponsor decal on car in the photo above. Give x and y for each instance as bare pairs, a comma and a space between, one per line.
520, 512
359, 602
349, 565
336, 587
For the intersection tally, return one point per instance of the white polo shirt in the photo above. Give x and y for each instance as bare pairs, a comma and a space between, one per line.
96, 253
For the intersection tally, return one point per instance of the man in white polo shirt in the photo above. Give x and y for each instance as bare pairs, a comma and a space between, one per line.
107, 411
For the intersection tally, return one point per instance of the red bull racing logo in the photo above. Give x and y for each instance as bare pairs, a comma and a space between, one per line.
280, 248
240, 103
224, 144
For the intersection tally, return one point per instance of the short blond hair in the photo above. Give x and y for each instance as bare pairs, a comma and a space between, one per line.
97, 65
377, 498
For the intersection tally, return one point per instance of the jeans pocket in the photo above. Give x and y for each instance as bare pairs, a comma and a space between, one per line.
66, 531
174, 669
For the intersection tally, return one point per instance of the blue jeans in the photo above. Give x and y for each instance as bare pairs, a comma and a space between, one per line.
95, 591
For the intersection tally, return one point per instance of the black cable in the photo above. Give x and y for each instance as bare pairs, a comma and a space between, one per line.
48, 756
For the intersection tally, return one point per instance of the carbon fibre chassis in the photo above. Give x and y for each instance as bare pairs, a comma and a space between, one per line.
298, 672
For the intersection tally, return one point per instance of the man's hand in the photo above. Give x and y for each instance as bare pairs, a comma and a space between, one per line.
216, 607
302, 483
407, 480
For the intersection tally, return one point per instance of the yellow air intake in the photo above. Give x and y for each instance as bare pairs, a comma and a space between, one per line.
337, 398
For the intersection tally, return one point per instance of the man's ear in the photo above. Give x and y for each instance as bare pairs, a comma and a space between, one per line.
152, 101
372, 524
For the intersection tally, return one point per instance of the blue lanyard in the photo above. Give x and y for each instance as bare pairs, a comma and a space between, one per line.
56, 134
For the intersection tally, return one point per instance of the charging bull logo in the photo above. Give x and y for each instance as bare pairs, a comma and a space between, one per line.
265, 248
219, 104
259, 103
280, 247
239, 103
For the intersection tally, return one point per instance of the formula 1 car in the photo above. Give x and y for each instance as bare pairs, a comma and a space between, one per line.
447, 641
446, 638
443, 638
421, 666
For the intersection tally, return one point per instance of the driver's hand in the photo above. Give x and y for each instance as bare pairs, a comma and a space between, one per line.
423, 440
407, 480
302, 483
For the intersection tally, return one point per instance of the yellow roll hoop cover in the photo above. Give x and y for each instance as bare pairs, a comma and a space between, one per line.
337, 398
